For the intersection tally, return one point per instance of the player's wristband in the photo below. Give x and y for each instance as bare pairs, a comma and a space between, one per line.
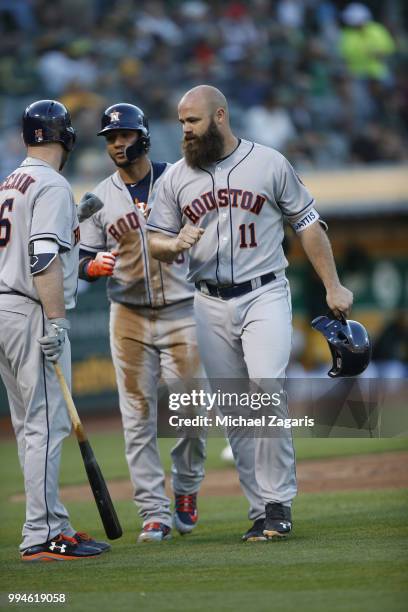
82, 270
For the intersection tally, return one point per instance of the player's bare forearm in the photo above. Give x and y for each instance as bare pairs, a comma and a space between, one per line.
50, 288
166, 248
319, 252
162, 247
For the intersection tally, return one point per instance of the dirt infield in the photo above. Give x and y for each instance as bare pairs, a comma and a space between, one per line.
387, 470
360, 472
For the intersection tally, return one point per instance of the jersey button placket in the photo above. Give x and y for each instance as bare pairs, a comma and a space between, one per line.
224, 230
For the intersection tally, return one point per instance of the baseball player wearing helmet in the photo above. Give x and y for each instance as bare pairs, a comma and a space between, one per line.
152, 330
39, 244
224, 203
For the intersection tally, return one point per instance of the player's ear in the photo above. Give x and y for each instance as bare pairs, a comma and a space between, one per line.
219, 115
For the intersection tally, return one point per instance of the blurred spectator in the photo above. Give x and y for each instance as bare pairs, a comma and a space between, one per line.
295, 77
74, 61
365, 44
248, 85
83, 103
20, 11
270, 124
326, 20
374, 143
290, 14
154, 22
239, 32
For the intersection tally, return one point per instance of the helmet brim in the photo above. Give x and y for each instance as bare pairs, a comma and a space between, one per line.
121, 128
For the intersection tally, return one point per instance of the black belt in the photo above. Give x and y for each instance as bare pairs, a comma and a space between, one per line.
231, 291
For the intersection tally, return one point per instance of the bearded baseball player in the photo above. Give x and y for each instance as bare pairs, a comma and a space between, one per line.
152, 330
224, 203
39, 244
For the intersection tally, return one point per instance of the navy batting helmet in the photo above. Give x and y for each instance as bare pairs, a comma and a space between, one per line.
349, 344
47, 121
124, 116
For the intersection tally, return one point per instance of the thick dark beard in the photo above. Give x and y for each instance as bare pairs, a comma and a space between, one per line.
204, 150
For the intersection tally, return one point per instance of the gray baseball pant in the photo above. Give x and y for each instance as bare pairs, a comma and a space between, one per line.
149, 345
38, 413
249, 337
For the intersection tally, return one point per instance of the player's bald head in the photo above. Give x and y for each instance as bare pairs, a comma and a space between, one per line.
204, 100
203, 113
205, 97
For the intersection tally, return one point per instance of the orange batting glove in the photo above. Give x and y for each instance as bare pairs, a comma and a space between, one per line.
102, 265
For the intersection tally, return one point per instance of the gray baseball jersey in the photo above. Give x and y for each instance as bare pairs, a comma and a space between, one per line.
37, 203
138, 279
240, 202
152, 341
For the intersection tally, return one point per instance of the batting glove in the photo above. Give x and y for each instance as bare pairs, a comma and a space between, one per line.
88, 206
52, 344
102, 265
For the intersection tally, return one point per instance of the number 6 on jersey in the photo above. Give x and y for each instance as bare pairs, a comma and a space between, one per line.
5, 224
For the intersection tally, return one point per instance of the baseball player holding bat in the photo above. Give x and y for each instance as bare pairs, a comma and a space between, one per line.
39, 245
152, 330
225, 203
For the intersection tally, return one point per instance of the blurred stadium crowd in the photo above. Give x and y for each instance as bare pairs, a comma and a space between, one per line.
323, 81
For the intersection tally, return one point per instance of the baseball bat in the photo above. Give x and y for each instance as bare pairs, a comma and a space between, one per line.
97, 482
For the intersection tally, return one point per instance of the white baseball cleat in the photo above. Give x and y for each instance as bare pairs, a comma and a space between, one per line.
154, 532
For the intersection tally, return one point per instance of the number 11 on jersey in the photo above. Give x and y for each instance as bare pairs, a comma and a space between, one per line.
243, 232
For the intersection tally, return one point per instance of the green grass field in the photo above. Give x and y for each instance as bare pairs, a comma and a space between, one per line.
348, 550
